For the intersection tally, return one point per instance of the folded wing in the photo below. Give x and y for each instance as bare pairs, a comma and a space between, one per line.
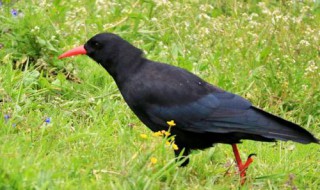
223, 112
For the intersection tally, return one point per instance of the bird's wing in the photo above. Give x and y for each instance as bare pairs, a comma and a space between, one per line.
224, 112
169, 93
210, 113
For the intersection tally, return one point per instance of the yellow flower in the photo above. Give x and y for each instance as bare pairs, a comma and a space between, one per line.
161, 133
157, 134
166, 133
167, 143
153, 160
175, 147
171, 123
144, 136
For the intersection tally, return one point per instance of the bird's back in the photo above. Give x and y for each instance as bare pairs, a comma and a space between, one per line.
159, 92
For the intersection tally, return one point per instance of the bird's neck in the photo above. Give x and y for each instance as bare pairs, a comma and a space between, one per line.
123, 68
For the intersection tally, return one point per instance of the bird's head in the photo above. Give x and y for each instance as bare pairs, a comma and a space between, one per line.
106, 49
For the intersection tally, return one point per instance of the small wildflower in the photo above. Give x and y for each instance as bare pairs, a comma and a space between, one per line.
175, 147
304, 43
157, 134
171, 123
14, 12
144, 136
48, 120
153, 160
166, 133
161, 133
35, 29
6, 117
312, 68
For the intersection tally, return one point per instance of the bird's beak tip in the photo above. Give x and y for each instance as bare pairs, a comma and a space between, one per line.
73, 52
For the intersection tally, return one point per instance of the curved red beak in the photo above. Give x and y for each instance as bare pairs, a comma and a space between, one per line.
75, 51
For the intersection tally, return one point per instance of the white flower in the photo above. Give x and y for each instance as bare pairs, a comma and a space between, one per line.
312, 68
304, 43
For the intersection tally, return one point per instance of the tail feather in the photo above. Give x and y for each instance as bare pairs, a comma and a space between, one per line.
254, 123
282, 129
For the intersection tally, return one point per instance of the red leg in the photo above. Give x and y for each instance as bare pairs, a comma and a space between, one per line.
242, 167
249, 161
237, 155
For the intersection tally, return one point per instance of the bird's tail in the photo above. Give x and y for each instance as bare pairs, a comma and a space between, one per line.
281, 129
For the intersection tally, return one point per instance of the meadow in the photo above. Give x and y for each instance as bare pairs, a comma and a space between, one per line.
64, 124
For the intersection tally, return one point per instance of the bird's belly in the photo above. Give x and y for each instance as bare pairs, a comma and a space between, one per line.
202, 140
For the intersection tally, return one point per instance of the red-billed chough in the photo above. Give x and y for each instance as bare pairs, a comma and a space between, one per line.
203, 114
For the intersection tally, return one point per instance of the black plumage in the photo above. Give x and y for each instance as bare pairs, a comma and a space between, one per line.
204, 114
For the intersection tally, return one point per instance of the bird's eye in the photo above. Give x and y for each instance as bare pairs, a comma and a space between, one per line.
96, 45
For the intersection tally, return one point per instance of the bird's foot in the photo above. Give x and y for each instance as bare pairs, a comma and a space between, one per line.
242, 167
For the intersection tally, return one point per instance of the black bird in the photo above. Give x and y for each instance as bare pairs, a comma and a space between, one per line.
203, 114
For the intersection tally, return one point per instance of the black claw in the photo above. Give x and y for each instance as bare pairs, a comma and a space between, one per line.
253, 154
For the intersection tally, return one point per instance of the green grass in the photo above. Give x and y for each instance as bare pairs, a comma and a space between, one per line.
267, 52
